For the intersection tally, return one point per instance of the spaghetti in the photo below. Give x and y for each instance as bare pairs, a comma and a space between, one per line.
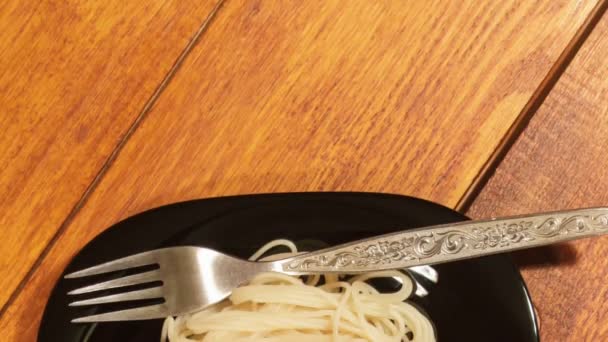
275, 307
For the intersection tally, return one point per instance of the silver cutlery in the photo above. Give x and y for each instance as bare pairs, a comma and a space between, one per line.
196, 277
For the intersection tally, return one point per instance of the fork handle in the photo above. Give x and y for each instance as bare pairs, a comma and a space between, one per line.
450, 242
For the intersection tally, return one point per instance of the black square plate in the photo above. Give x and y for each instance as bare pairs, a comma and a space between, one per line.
482, 299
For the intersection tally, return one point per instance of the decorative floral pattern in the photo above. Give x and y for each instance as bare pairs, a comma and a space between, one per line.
400, 250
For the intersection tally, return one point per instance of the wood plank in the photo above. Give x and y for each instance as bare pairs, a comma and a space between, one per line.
74, 75
284, 96
560, 162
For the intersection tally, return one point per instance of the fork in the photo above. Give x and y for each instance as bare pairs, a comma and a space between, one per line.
195, 277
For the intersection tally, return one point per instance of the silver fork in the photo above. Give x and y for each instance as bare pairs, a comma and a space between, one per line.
195, 277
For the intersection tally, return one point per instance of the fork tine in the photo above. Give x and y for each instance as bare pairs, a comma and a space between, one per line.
154, 292
134, 279
141, 259
145, 312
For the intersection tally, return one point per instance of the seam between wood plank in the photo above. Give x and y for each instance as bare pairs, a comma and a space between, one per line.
115, 153
531, 107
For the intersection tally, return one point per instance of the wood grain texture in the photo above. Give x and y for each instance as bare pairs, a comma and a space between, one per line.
406, 97
560, 162
74, 75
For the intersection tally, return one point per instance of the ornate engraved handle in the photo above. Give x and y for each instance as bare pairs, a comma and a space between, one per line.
443, 243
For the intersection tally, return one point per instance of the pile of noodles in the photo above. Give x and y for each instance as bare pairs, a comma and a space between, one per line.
275, 307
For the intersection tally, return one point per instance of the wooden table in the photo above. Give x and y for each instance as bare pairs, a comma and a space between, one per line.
489, 107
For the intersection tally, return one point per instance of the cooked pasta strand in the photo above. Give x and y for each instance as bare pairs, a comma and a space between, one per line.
275, 307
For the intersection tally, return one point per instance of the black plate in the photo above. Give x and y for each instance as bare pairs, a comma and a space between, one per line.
475, 300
